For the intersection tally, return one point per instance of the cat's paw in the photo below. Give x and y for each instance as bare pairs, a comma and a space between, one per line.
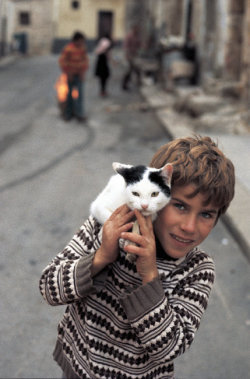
131, 257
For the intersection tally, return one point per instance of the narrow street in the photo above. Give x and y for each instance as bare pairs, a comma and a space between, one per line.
50, 172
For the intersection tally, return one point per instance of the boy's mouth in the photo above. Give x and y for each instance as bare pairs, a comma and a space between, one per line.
180, 239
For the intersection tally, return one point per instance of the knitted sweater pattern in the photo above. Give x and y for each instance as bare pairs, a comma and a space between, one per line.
73, 60
115, 327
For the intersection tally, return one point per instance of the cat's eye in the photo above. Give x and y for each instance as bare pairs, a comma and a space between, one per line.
154, 194
135, 194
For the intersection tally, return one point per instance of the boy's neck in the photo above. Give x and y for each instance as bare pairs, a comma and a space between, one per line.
161, 253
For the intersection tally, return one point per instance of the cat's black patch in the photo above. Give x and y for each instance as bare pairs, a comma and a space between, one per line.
156, 177
133, 174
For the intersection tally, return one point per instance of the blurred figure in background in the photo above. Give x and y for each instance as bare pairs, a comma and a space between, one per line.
74, 63
102, 66
132, 45
190, 53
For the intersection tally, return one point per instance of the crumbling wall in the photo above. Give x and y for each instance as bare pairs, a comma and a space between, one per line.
245, 74
234, 45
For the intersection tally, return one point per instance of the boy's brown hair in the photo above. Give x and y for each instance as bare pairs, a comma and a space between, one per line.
198, 160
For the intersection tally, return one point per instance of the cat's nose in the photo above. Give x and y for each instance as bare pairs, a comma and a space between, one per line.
144, 206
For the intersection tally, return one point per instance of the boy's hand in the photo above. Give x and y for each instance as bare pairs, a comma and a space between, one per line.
117, 223
145, 248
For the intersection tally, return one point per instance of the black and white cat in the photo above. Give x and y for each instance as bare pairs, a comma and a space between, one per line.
144, 188
140, 187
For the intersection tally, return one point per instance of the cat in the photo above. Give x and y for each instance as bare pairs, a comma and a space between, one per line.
140, 187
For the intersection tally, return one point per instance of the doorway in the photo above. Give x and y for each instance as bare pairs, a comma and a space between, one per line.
105, 23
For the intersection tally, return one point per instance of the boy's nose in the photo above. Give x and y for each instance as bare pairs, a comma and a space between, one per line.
189, 224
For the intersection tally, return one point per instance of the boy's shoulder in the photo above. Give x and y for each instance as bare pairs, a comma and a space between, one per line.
198, 259
197, 266
198, 254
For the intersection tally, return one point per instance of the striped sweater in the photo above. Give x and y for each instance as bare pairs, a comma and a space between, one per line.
73, 60
115, 327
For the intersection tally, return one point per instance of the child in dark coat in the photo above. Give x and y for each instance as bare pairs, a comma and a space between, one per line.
102, 67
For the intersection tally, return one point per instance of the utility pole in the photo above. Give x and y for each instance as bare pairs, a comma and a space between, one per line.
246, 56
3, 28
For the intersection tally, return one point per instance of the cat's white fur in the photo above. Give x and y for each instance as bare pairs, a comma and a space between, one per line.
117, 193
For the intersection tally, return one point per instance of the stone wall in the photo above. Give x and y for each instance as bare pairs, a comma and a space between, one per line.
245, 73
39, 31
233, 55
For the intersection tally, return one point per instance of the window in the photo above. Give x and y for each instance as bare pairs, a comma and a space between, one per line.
75, 4
24, 18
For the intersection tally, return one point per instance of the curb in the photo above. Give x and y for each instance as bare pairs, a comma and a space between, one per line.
8, 59
237, 218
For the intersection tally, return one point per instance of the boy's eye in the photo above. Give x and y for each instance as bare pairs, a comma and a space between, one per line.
154, 194
180, 206
207, 215
135, 193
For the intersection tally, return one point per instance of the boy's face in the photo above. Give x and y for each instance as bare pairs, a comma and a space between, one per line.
185, 222
79, 43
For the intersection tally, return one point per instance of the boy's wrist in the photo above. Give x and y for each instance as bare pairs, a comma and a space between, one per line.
142, 299
98, 263
150, 277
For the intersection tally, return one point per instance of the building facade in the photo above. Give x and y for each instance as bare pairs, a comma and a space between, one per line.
6, 27
220, 30
32, 25
91, 17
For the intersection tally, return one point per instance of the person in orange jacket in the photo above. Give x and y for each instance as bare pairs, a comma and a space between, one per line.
74, 63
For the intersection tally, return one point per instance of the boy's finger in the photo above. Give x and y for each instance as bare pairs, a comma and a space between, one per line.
144, 222
149, 222
139, 216
130, 236
126, 227
123, 209
138, 239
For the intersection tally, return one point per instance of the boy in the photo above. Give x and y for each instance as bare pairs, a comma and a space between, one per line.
74, 63
131, 320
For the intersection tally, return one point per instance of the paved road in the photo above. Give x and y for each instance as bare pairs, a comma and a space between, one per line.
50, 171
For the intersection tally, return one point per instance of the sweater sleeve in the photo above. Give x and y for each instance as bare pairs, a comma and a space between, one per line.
64, 59
68, 277
166, 322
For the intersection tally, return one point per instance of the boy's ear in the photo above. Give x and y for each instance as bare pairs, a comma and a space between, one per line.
167, 172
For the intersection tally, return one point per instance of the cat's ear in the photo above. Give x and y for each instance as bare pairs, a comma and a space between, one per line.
167, 172
120, 166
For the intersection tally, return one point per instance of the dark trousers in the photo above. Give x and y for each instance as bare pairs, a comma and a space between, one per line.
75, 107
103, 84
132, 69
